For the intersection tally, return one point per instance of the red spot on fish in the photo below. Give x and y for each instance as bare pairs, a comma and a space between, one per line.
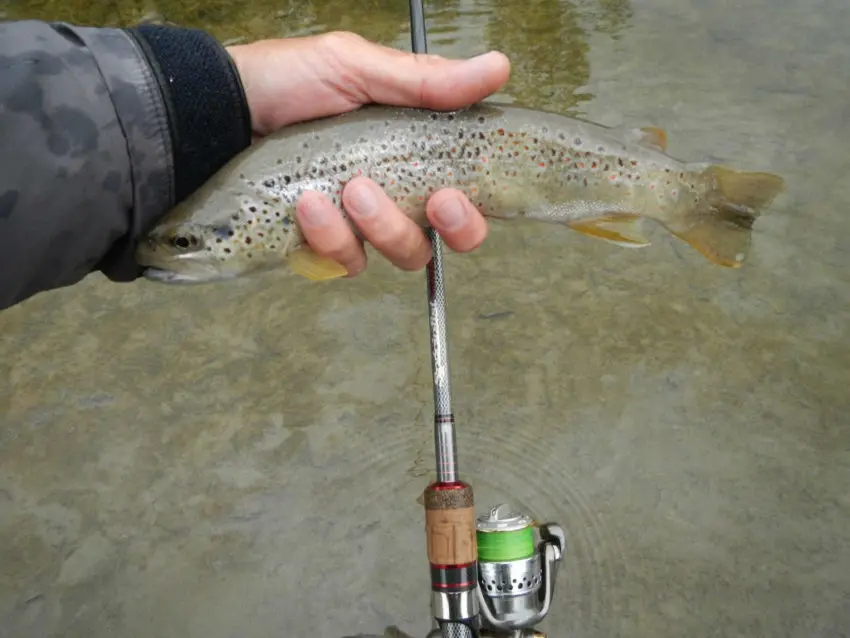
594, 165
415, 164
581, 164
634, 163
542, 165
483, 159
501, 131
673, 193
613, 176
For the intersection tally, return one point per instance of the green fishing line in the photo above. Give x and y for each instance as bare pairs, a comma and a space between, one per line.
505, 546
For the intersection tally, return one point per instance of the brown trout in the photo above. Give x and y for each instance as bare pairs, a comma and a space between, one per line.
512, 162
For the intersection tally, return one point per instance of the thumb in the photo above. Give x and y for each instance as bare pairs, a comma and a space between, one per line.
389, 76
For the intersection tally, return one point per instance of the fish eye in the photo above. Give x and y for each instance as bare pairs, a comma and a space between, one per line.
184, 241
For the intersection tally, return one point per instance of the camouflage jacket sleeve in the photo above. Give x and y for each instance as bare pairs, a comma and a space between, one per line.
103, 130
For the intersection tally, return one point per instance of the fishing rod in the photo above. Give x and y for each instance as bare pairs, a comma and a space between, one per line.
487, 577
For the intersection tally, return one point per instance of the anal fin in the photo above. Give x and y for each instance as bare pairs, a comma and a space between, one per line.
623, 229
305, 262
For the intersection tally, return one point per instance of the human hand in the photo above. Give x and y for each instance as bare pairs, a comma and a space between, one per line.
296, 79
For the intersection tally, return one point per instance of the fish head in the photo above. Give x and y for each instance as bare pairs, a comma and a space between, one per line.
195, 253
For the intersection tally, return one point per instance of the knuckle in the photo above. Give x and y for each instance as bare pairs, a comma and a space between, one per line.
340, 40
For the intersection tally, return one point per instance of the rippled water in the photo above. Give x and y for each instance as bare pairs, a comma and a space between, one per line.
245, 459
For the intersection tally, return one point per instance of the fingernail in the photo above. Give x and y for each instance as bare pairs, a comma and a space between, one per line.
451, 213
314, 211
363, 200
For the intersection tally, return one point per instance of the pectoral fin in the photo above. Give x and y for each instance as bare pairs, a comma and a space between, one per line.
308, 264
621, 229
654, 137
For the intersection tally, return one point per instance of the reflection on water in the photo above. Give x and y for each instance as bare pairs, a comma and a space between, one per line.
245, 459
547, 42
229, 20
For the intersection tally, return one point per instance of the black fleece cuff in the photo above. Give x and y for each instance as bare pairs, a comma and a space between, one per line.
208, 113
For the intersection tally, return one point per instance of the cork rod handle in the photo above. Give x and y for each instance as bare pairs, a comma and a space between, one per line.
450, 525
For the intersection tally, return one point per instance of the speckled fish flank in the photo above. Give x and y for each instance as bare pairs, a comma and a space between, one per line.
512, 162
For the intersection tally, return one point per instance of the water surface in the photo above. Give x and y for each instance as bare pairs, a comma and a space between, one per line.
245, 459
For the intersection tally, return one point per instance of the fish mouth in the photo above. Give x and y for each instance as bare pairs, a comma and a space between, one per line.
163, 276
163, 266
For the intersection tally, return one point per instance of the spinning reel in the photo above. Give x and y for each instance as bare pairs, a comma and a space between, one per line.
508, 589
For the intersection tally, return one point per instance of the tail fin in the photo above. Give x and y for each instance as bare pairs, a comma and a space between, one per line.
720, 226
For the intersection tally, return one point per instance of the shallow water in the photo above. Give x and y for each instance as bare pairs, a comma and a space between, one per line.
245, 459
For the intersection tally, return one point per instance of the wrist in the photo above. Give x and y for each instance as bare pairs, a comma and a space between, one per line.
208, 116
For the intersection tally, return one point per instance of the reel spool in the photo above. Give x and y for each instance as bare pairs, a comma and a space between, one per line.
516, 580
